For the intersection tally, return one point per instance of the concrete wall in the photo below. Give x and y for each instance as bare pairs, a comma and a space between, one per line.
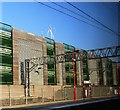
16, 92
93, 71
26, 46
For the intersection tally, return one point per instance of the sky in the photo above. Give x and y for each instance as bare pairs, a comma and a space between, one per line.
36, 18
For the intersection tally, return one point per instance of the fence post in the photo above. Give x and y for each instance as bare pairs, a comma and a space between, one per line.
101, 89
42, 91
26, 102
90, 88
64, 93
9, 95
53, 94
93, 93
83, 90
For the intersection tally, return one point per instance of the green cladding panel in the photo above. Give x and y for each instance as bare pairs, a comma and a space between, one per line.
68, 64
85, 69
51, 67
68, 48
6, 54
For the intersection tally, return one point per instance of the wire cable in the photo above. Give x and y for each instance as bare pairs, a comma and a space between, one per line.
72, 12
92, 18
71, 16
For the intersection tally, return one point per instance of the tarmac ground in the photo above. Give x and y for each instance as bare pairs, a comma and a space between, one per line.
112, 103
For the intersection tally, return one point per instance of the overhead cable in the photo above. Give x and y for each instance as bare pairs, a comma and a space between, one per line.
92, 18
72, 11
71, 16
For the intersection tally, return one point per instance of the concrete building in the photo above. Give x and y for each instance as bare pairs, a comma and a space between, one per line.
23, 45
26, 46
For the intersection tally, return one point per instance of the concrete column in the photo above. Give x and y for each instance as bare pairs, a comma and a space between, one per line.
92, 66
104, 71
79, 72
15, 57
115, 82
45, 69
59, 49
63, 73
63, 68
57, 64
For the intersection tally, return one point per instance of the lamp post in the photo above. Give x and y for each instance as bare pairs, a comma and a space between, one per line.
74, 75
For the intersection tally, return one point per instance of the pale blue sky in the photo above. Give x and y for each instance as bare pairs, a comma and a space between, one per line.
36, 18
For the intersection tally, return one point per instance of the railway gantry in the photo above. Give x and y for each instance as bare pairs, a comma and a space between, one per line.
79, 55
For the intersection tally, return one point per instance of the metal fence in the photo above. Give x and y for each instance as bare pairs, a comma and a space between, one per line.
15, 95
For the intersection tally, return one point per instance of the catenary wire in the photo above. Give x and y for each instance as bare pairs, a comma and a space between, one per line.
72, 16
92, 18
73, 12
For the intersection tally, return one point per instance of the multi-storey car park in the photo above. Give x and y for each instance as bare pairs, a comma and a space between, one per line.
17, 46
6, 54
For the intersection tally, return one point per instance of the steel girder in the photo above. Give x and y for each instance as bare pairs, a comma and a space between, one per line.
79, 55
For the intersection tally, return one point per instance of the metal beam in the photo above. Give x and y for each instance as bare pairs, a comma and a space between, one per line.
104, 52
80, 55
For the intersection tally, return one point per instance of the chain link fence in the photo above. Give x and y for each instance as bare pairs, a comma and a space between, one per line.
15, 94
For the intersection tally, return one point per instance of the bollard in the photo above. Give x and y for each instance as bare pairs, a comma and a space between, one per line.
9, 95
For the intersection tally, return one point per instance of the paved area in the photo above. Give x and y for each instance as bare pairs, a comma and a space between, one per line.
93, 104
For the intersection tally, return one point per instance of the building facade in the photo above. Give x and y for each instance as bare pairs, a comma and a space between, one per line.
16, 46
